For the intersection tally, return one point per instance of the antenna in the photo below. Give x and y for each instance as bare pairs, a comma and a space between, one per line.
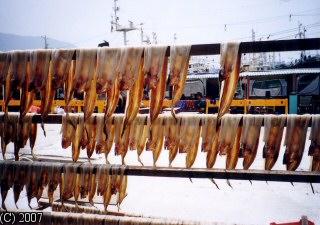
115, 25
45, 39
154, 37
144, 39
253, 37
302, 34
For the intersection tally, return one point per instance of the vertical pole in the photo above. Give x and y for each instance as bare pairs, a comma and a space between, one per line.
293, 97
247, 94
125, 37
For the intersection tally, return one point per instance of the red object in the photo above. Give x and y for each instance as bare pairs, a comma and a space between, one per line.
34, 109
304, 221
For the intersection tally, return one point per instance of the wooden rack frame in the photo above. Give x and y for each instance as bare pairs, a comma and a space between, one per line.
258, 175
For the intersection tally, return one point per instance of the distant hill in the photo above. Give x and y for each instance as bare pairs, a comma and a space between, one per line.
12, 41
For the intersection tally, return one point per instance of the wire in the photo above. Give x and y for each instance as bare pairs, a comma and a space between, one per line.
267, 36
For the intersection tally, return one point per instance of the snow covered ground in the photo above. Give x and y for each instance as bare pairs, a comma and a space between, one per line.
245, 203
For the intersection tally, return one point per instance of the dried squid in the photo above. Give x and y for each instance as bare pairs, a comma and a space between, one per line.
179, 64
314, 149
208, 132
143, 136
134, 100
172, 127
76, 140
5, 58
7, 180
16, 75
20, 180
229, 75
192, 140
229, 139
250, 138
121, 141
155, 142
54, 179
297, 127
273, 129
107, 63
68, 129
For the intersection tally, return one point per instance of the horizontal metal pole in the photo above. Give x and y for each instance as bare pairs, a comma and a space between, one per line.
260, 46
57, 119
259, 175
256, 46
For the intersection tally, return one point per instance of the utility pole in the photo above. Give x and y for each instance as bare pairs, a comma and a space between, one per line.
175, 38
302, 35
253, 39
154, 38
115, 25
46, 45
144, 39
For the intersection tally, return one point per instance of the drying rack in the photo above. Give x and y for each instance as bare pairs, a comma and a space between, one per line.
261, 175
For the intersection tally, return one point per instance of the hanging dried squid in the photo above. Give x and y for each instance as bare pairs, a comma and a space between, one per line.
16, 75
229, 139
32, 185
250, 138
208, 131
9, 132
76, 140
155, 141
20, 180
121, 141
69, 86
7, 173
42, 182
5, 58
297, 126
108, 80
27, 95
26, 130
172, 136
92, 187
155, 69
134, 99
273, 130
213, 150
68, 182
179, 64
89, 136
101, 138
143, 136
314, 148
107, 63
68, 129
193, 144
41, 79
61, 62
110, 132
230, 59
54, 179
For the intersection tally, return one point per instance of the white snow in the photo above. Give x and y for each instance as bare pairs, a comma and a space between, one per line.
259, 203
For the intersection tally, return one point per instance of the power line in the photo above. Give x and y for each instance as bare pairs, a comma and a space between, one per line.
268, 35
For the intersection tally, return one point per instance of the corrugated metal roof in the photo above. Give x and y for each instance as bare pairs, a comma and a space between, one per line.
259, 73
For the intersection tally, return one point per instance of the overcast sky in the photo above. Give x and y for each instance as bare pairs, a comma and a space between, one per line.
86, 23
